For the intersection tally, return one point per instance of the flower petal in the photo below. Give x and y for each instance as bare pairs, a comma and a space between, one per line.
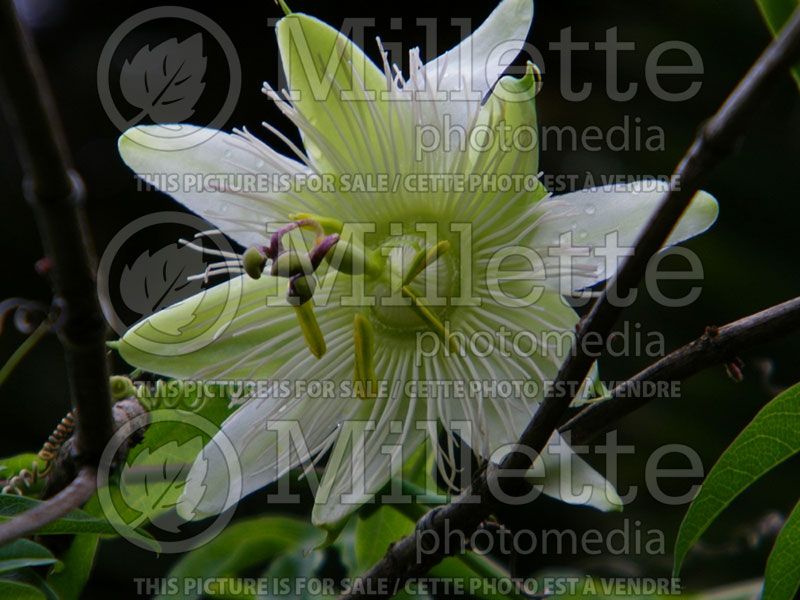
495, 421
587, 217
368, 452
569, 478
527, 346
470, 69
505, 138
228, 329
241, 329
338, 95
209, 178
271, 435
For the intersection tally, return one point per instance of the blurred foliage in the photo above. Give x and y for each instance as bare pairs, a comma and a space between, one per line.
776, 13
772, 437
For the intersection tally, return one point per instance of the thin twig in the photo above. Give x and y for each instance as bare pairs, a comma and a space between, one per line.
56, 194
717, 345
714, 141
71, 497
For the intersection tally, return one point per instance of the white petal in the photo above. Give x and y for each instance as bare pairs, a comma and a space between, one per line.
339, 102
497, 420
197, 176
585, 219
262, 453
525, 353
472, 67
355, 473
578, 483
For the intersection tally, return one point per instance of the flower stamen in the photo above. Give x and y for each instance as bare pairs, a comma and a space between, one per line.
431, 319
365, 381
310, 328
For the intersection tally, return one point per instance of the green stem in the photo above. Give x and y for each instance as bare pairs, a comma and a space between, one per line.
24, 349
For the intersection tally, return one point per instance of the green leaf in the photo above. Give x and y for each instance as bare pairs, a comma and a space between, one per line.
69, 581
155, 470
771, 437
12, 590
782, 578
375, 532
294, 567
244, 545
152, 483
24, 553
75, 521
12, 465
776, 14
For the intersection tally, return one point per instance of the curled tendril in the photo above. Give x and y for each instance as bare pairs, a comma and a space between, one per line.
27, 478
26, 315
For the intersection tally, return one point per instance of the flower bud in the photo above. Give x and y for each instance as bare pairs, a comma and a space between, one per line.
121, 387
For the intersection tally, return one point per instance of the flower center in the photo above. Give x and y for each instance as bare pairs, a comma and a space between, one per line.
415, 273
411, 281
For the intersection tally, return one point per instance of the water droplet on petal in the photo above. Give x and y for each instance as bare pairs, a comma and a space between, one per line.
228, 153
223, 208
590, 209
259, 164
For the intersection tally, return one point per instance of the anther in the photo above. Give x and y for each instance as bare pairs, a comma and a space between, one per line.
121, 387
364, 345
310, 328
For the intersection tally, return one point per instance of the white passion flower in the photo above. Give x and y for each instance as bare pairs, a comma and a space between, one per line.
405, 265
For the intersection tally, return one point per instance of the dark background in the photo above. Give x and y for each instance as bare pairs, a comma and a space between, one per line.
749, 257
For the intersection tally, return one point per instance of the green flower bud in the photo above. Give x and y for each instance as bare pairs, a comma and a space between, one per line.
121, 387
